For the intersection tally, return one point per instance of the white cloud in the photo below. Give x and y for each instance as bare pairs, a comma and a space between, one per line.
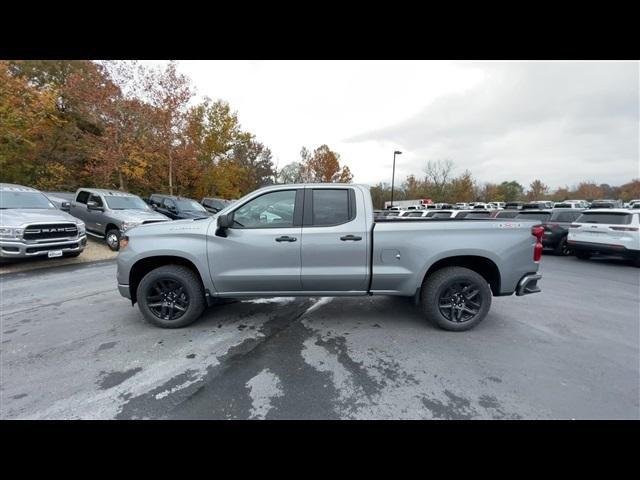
560, 121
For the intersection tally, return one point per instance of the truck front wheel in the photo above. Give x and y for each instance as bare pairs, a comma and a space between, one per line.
455, 298
171, 296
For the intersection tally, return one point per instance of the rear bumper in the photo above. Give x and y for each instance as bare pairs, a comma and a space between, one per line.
605, 249
528, 284
21, 249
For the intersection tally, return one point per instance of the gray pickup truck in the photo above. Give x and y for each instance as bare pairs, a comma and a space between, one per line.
322, 240
109, 213
31, 226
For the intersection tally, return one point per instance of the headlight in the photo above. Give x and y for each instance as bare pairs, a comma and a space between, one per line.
81, 229
11, 233
127, 225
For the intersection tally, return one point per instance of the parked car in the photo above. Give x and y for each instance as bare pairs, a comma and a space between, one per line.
574, 205
606, 204
214, 205
535, 215
109, 213
634, 203
506, 213
612, 231
479, 213
556, 229
336, 248
513, 205
177, 208
32, 226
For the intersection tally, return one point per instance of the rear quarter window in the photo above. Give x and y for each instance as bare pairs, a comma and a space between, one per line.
606, 218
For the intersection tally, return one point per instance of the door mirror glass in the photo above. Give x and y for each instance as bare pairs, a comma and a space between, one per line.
93, 206
65, 206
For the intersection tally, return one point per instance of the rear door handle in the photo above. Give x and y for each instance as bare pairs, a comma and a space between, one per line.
286, 239
354, 238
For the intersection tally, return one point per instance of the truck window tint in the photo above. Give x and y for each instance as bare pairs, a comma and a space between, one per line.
511, 214
270, 210
82, 197
606, 218
330, 207
564, 216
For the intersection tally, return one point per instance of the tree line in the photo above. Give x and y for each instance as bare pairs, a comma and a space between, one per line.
129, 126
441, 185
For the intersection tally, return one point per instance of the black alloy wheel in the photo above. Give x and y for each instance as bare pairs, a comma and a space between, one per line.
460, 301
167, 299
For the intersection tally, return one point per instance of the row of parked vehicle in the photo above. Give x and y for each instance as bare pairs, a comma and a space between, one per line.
56, 224
569, 229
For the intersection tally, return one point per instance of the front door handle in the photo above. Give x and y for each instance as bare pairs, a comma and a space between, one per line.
286, 239
354, 238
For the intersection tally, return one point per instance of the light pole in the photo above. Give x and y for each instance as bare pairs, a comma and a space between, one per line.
393, 175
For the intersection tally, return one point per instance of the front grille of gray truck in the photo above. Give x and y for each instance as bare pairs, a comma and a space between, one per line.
47, 231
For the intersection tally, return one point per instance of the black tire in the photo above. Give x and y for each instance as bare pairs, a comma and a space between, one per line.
583, 255
190, 297
562, 248
114, 245
441, 284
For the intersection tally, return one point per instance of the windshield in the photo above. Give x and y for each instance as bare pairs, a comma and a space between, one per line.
122, 202
564, 216
189, 205
12, 199
507, 214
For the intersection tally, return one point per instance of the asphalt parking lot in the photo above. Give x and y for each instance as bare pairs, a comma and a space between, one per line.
71, 347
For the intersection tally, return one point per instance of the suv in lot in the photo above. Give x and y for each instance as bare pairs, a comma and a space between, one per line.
109, 213
611, 231
556, 229
177, 208
30, 226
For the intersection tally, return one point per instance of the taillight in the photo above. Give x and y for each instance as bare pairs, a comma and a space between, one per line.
625, 229
537, 232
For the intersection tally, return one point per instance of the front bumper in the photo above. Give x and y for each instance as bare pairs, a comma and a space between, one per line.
21, 249
124, 291
528, 284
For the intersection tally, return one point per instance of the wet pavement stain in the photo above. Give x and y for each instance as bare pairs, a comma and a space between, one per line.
106, 346
20, 395
191, 355
112, 379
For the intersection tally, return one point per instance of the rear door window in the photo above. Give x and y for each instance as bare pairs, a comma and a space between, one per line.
331, 207
613, 218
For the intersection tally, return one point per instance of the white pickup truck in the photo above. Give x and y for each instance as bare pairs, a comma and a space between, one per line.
322, 240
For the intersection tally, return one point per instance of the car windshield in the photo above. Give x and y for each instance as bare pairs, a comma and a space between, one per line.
612, 218
14, 199
122, 202
188, 205
507, 214
543, 216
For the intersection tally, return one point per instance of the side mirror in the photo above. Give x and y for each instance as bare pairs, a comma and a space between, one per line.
153, 206
65, 206
224, 221
93, 206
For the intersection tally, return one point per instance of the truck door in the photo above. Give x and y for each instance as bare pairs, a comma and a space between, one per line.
261, 252
334, 241
78, 207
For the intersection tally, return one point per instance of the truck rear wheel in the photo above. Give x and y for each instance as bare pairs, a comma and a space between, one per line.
455, 298
171, 296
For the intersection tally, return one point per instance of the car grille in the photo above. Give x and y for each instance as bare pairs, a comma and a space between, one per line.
62, 246
50, 230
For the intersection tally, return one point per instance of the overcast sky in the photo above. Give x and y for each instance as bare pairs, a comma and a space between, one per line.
562, 122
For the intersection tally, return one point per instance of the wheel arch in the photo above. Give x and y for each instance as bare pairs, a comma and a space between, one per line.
482, 265
147, 264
